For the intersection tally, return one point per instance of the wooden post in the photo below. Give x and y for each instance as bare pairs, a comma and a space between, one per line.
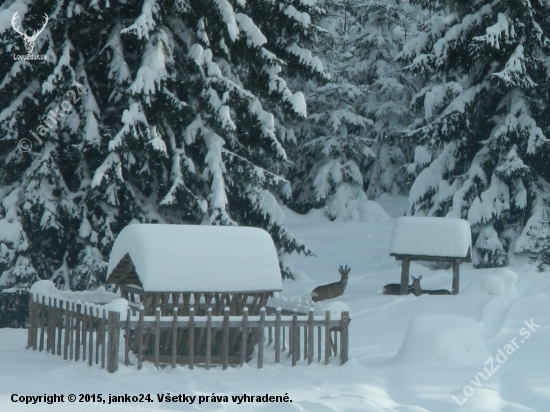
225, 338
284, 339
42, 323
294, 344
60, 326
72, 325
405, 264
297, 347
191, 341
156, 349
51, 325
208, 337
278, 335
97, 336
91, 337
319, 344
456, 275
103, 346
139, 337
126, 338
31, 321
67, 331
77, 333
327, 337
174, 332
344, 337
84, 331
114, 336
310, 336
244, 338
261, 331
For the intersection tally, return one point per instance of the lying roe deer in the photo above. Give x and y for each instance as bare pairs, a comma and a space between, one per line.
395, 288
332, 290
414, 287
432, 292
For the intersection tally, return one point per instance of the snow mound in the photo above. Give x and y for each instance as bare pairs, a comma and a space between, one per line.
373, 212
118, 305
336, 308
494, 284
442, 340
47, 288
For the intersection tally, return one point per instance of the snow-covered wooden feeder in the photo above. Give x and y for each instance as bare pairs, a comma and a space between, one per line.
167, 266
431, 239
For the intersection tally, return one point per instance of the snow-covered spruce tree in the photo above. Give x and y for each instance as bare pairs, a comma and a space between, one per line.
482, 120
350, 140
150, 111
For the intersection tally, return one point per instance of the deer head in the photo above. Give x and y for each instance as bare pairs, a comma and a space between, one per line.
344, 271
29, 40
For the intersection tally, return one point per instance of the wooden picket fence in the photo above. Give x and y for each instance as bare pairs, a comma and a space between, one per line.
87, 332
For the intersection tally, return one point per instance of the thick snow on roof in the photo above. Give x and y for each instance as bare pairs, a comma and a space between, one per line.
187, 258
431, 236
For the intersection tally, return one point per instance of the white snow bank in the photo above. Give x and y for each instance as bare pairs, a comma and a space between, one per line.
442, 340
336, 308
47, 288
499, 283
188, 258
431, 236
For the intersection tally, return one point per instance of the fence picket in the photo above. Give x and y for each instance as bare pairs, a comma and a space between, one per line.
327, 337
91, 337
157, 337
278, 335
77, 333
310, 337
174, 333
244, 337
59, 311
127, 338
295, 334
140, 338
261, 331
208, 337
225, 339
191, 337
344, 337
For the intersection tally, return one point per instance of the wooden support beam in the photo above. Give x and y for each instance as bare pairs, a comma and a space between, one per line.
404, 290
456, 276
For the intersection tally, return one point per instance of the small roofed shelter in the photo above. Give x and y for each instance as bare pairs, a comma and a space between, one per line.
431, 239
167, 266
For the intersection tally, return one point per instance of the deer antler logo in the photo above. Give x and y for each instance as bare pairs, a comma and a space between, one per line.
29, 40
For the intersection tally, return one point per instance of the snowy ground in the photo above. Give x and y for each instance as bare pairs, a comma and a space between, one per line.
395, 365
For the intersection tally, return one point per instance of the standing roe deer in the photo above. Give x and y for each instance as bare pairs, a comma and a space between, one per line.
332, 290
395, 288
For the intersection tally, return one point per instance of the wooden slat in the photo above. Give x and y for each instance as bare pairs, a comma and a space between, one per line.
59, 311
174, 335
68, 318
344, 338
127, 338
31, 322
244, 337
293, 345
157, 336
278, 335
191, 340
97, 336
261, 332
225, 338
91, 337
139, 337
77, 333
42, 322
114, 336
208, 337
72, 326
103, 335
327, 337
84, 332
310, 337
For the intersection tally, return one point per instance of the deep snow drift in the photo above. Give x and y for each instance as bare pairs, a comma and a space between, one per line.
483, 349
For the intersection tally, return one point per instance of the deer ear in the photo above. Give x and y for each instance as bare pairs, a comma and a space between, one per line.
420, 277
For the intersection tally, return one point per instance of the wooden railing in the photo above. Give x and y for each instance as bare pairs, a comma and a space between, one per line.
82, 331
